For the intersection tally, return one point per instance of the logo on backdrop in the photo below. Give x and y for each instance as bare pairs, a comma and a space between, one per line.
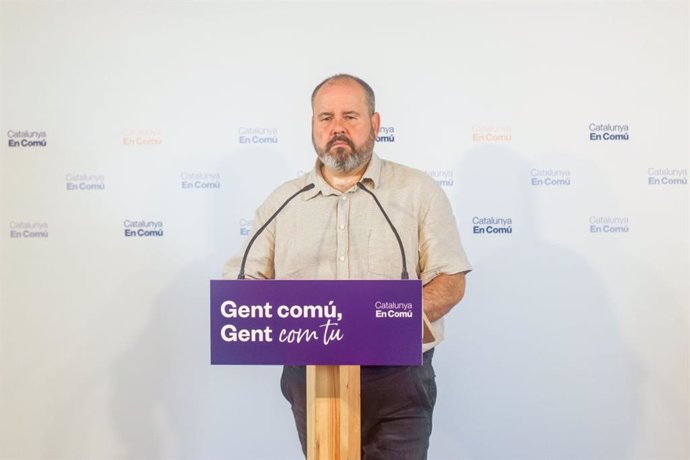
491, 133
28, 230
258, 135
667, 176
84, 182
550, 177
142, 137
246, 226
199, 181
443, 177
143, 228
26, 138
492, 225
608, 132
609, 224
386, 134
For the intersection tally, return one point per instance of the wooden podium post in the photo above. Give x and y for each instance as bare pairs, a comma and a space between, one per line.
333, 413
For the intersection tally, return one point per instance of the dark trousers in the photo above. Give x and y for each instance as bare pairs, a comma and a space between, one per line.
397, 408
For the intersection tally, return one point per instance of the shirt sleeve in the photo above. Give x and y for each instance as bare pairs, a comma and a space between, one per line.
440, 248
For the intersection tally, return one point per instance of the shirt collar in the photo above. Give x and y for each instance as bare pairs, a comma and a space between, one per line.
373, 172
372, 175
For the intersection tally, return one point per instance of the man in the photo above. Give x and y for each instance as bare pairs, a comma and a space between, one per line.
336, 231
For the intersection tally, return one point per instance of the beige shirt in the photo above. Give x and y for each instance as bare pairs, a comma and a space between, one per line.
327, 234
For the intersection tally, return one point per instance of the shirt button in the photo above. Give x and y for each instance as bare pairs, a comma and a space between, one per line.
341, 258
342, 227
344, 197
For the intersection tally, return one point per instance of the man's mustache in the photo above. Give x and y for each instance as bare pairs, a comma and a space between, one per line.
340, 138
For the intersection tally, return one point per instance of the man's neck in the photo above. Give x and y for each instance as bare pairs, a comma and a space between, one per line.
343, 181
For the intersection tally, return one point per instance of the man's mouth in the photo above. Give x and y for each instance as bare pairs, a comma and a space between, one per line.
338, 141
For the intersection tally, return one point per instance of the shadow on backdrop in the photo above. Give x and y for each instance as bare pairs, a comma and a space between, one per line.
168, 401
541, 370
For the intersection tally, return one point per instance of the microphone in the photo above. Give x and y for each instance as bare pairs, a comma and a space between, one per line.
240, 276
403, 275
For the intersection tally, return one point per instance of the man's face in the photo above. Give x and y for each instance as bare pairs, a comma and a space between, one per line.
342, 131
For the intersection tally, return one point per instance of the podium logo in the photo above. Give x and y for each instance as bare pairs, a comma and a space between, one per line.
142, 137
608, 132
258, 135
199, 181
491, 133
143, 228
26, 138
550, 177
492, 225
391, 309
28, 230
386, 134
84, 182
667, 176
443, 177
608, 224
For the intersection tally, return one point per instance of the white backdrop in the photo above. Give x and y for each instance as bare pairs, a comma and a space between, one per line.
572, 341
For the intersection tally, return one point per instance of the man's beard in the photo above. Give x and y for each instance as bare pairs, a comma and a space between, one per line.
343, 161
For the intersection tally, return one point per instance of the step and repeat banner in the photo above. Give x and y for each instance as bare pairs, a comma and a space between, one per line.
139, 137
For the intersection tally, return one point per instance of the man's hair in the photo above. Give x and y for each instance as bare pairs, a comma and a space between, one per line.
369, 93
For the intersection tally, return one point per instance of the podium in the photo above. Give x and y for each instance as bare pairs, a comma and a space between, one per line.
332, 327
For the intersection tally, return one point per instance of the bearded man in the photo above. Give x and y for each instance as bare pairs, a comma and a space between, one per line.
337, 232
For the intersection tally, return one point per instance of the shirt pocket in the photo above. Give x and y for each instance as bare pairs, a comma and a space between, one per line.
385, 259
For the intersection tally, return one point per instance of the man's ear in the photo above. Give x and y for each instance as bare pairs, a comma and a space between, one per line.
376, 122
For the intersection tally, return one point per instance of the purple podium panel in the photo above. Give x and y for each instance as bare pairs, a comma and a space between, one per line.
316, 322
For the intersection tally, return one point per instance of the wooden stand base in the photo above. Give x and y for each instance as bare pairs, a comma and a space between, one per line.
333, 413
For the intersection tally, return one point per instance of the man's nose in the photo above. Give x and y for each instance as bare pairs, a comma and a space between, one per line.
338, 127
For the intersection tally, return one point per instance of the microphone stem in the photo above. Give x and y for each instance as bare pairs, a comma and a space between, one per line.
404, 274
241, 276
